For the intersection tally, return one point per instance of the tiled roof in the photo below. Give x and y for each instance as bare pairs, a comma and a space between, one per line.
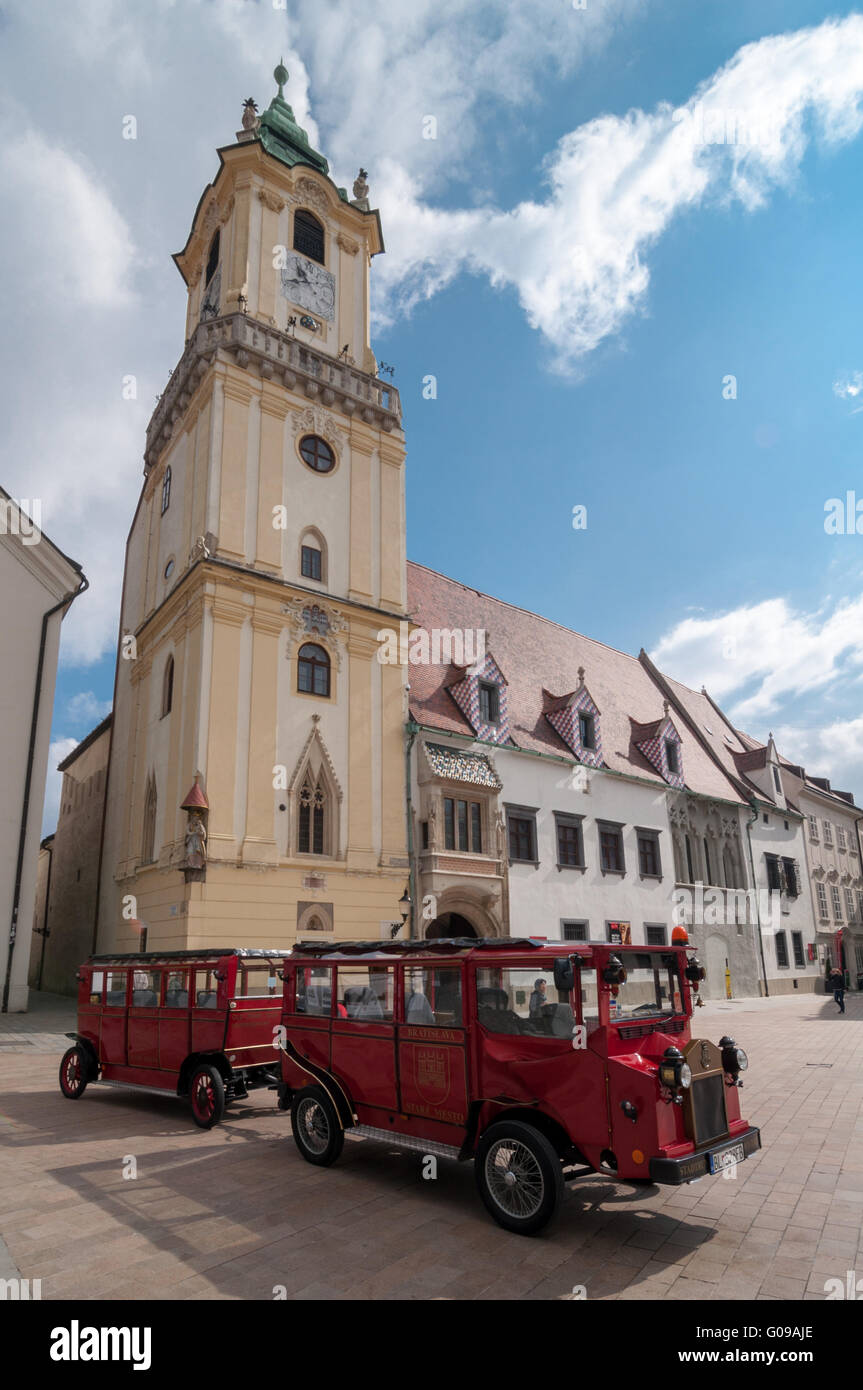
457, 766
540, 660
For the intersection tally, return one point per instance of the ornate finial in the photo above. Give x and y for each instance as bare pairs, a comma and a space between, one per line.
361, 188
665, 707
281, 75
581, 675
250, 118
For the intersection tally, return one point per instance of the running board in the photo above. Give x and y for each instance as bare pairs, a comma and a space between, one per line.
403, 1141
133, 1086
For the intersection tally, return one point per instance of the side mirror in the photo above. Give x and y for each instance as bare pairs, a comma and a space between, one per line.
564, 974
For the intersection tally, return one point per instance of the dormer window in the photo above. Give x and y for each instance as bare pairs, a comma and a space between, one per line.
309, 235
587, 730
672, 756
489, 703
776, 780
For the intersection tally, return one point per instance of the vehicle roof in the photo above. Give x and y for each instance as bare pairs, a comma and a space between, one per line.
207, 953
464, 948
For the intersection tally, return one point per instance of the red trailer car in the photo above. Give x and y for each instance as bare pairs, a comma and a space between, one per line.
538, 1064
198, 1024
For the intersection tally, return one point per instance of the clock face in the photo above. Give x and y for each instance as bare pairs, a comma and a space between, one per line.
309, 285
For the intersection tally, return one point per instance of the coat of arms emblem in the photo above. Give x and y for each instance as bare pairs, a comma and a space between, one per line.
433, 1074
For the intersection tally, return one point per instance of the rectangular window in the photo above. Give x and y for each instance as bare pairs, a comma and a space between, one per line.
781, 950
610, 849
206, 989
837, 903
311, 562
672, 755
792, 887
489, 703
648, 854
570, 845
461, 818
146, 987
828, 833
522, 838
587, 731
97, 984
849, 904
797, 944
840, 837
655, 934
823, 909
365, 993
774, 880
689, 864
575, 931
776, 779
476, 827
314, 990
433, 997
522, 1001
424, 831
859, 906
813, 827
708, 871
462, 825
259, 980
176, 990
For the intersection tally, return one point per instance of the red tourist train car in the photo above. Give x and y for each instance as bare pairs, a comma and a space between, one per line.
541, 1066
198, 1024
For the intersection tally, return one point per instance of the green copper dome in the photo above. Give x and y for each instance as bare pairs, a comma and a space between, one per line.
281, 136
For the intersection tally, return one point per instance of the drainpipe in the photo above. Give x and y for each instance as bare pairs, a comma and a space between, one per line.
44, 928
749, 824
411, 730
28, 783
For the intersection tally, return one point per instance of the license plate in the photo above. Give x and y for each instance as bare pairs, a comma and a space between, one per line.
726, 1158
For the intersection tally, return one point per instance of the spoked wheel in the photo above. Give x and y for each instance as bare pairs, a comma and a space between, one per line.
74, 1073
207, 1094
519, 1176
317, 1132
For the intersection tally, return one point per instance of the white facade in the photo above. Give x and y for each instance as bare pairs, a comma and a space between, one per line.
41, 579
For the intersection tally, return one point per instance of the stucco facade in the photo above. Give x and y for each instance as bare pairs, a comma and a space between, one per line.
44, 582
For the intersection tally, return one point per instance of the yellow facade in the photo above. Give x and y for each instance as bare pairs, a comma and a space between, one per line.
214, 585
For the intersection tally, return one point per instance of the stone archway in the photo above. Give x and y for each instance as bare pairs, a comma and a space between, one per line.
450, 924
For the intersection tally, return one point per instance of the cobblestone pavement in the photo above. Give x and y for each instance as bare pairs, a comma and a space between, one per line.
235, 1212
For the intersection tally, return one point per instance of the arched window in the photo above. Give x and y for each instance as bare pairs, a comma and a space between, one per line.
311, 830
313, 556
148, 837
313, 670
213, 258
309, 235
168, 687
166, 490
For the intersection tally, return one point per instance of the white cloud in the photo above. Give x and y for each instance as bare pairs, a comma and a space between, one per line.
834, 751
849, 385
72, 239
85, 708
764, 655
577, 258
57, 751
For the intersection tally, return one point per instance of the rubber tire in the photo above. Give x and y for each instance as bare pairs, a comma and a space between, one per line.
336, 1141
85, 1070
550, 1166
218, 1086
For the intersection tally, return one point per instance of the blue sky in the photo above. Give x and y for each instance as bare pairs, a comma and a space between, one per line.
579, 285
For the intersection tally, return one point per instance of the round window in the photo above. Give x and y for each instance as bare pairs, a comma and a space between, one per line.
169, 569
317, 453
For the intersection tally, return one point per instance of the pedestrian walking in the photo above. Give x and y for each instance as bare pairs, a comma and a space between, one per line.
837, 983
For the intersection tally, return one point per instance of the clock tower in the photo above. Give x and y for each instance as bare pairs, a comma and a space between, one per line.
256, 777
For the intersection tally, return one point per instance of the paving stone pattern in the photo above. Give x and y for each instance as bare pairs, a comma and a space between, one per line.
235, 1213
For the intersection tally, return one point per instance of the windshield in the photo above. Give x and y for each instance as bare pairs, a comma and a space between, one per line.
651, 988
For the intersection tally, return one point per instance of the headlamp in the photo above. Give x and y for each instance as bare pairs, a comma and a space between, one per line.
674, 1072
734, 1059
